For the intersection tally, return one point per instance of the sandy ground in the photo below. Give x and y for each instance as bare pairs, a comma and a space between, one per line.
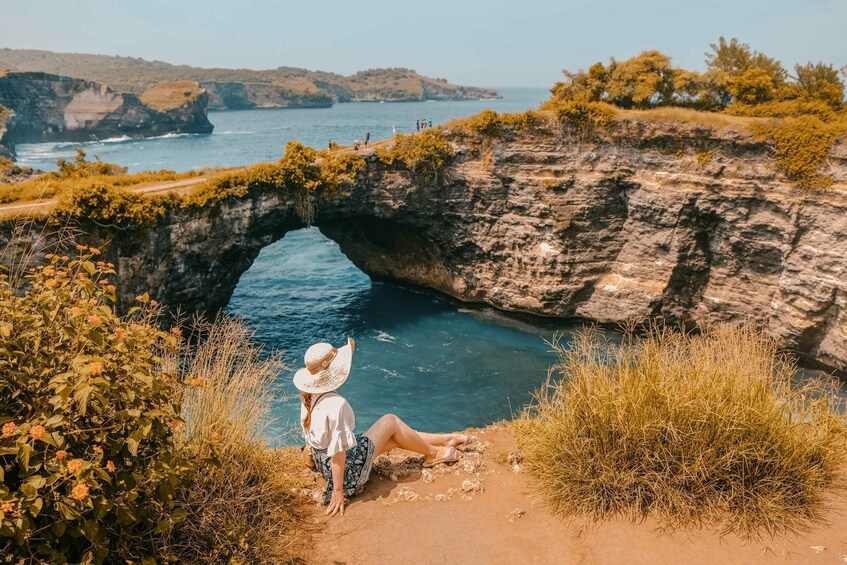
481, 510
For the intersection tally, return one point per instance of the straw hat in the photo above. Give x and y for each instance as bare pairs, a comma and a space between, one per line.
326, 369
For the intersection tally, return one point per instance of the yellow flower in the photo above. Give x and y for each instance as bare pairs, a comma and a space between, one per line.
96, 368
110, 288
153, 303
197, 381
80, 491
36, 432
61, 454
7, 507
74, 310
74, 465
49, 271
64, 257
81, 247
94, 320
104, 282
9, 428
176, 331
49, 256
97, 449
110, 466
94, 250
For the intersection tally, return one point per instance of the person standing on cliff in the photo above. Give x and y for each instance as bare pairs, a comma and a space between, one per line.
367, 137
394, 130
328, 424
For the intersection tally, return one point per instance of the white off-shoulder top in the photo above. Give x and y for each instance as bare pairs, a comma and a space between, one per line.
333, 424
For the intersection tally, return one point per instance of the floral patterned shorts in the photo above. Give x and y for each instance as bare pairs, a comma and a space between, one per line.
357, 470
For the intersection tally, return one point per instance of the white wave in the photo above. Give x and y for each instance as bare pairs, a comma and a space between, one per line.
384, 336
116, 139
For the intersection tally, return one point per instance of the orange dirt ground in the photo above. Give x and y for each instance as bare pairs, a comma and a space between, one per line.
482, 510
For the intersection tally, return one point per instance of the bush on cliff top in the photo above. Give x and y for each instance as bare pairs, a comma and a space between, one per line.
79, 174
301, 172
692, 429
424, 156
109, 207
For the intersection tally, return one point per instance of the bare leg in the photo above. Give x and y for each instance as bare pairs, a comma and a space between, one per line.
390, 431
450, 440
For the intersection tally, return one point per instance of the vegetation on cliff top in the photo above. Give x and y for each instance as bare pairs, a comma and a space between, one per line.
805, 111
169, 95
119, 441
82, 174
424, 156
696, 430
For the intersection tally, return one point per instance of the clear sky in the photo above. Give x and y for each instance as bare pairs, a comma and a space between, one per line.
473, 42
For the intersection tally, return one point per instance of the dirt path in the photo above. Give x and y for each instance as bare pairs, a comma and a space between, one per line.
39, 205
481, 511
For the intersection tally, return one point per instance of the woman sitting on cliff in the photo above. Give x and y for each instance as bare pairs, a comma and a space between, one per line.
345, 459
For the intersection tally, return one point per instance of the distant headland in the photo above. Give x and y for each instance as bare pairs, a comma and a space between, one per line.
283, 87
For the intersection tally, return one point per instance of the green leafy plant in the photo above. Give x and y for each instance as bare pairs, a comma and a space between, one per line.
425, 156
110, 207
88, 458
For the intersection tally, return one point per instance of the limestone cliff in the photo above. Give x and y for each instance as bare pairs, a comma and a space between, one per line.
7, 126
57, 108
647, 220
243, 95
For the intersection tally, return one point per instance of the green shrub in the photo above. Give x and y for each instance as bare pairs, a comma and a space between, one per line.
487, 124
695, 430
110, 207
88, 460
585, 116
425, 156
802, 146
523, 121
300, 172
784, 109
82, 168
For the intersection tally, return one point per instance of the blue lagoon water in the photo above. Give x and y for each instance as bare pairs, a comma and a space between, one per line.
436, 363
242, 137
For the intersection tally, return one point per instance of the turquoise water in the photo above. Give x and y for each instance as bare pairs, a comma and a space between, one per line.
438, 364
245, 136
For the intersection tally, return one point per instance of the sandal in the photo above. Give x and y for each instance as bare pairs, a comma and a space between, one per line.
451, 456
465, 445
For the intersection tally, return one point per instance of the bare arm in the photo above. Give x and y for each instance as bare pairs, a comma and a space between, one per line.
336, 503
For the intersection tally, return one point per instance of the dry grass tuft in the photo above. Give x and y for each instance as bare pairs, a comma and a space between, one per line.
695, 430
689, 115
243, 504
169, 95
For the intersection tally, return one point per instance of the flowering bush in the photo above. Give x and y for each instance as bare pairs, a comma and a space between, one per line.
88, 457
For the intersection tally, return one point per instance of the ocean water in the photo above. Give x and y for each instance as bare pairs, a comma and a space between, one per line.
242, 137
434, 362
438, 364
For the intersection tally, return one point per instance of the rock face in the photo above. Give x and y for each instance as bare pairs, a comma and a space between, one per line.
243, 95
650, 220
56, 108
7, 126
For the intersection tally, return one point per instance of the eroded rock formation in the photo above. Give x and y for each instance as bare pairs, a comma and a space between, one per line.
650, 220
57, 108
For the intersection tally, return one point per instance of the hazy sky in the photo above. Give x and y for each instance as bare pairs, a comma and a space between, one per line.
474, 42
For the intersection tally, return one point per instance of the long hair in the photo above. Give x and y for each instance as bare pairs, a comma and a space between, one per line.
306, 398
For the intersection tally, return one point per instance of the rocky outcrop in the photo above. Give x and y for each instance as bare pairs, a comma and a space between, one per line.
7, 127
244, 95
57, 108
649, 220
